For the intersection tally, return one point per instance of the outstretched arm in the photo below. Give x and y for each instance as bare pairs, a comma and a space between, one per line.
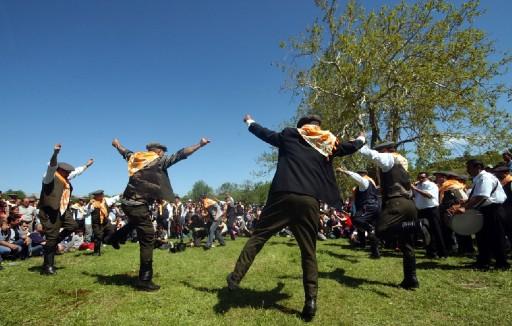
81, 169
350, 147
384, 160
120, 148
52, 167
362, 183
183, 153
269, 136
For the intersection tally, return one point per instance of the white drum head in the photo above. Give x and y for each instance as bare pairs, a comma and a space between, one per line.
467, 223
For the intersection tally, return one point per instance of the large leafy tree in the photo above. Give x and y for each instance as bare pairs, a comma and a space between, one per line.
419, 74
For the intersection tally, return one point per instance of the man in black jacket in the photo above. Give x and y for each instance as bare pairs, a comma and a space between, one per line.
148, 183
304, 176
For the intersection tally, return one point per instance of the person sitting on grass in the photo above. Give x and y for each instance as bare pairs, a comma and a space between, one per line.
19, 236
38, 240
7, 245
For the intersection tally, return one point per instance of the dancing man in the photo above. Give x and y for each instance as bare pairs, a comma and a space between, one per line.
304, 176
398, 218
148, 182
102, 228
54, 210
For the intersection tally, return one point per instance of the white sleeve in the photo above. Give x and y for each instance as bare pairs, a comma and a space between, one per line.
88, 209
385, 161
112, 200
79, 170
50, 174
362, 183
483, 188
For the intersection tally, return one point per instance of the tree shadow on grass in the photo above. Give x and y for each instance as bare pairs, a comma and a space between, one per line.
126, 279
247, 298
348, 258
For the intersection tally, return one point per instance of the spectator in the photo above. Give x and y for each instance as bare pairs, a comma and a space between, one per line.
7, 245
38, 240
27, 212
19, 236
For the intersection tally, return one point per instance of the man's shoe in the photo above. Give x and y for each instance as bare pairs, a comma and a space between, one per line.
309, 310
502, 266
48, 270
374, 256
148, 286
410, 284
232, 284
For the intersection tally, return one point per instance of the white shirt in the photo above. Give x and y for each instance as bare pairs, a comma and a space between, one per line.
423, 202
483, 185
385, 161
362, 183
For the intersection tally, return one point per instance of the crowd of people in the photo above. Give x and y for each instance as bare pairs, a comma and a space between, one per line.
22, 234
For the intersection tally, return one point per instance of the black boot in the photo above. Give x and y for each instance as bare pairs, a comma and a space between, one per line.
97, 248
374, 246
309, 310
49, 263
145, 282
410, 281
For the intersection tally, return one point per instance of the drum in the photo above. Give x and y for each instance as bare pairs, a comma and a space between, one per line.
467, 223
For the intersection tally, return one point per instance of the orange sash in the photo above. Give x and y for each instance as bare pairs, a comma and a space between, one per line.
102, 206
66, 194
449, 185
140, 160
207, 202
321, 140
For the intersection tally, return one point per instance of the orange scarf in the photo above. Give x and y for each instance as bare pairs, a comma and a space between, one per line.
102, 206
207, 202
506, 179
370, 179
140, 160
321, 140
401, 160
66, 194
449, 185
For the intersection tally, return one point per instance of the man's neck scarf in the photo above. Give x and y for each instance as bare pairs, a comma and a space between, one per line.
321, 140
66, 194
140, 160
207, 202
401, 160
451, 184
102, 206
506, 179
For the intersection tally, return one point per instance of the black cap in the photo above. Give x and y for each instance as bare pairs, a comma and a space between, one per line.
501, 169
97, 192
65, 167
385, 144
445, 173
309, 119
362, 171
150, 146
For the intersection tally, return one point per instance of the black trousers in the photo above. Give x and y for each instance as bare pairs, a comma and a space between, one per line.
52, 222
102, 231
437, 245
396, 211
139, 219
301, 213
491, 239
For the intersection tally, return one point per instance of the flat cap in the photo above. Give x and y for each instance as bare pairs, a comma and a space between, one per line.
156, 145
97, 192
362, 171
385, 144
66, 167
309, 119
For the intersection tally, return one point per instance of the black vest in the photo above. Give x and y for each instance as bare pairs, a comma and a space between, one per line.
395, 182
95, 215
149, 184
368, 198
51, 195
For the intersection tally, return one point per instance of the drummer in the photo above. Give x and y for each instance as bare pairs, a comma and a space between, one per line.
488, 197
502, 172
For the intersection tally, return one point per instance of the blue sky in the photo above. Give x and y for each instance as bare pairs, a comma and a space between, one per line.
84, 72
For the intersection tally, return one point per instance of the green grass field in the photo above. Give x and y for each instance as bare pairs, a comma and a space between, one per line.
353, 289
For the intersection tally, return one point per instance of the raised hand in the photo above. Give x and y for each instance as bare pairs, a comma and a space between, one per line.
90, 162
56, 148
204, 141
247, 117
116, 143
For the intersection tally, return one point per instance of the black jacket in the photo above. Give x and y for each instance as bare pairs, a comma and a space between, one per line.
302, 169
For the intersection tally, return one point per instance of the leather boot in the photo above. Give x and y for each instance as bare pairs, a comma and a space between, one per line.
410, 281
309, 310
49, 263
145, 282
97, 248
374, 246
